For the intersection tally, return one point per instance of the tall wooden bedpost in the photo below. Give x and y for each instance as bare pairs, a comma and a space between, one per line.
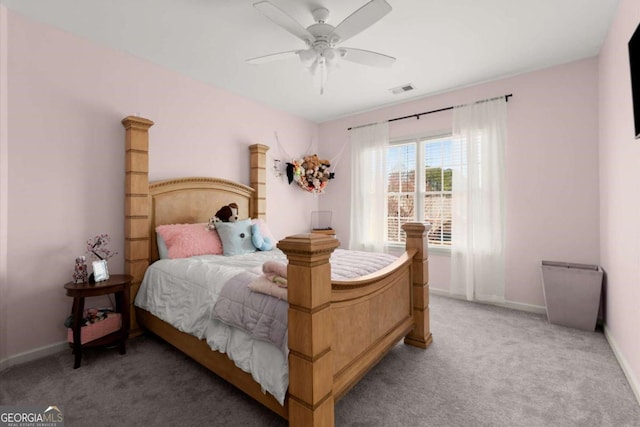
311, 400
258, 178
417, 239
136, 234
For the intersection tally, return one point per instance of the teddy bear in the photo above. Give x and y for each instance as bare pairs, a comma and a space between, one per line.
261, 242
313, 162
310, 163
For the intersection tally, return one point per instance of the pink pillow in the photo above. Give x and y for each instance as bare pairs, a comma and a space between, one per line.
185, 240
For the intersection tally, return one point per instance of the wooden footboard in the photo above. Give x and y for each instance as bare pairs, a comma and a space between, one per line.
369, 316
340, 330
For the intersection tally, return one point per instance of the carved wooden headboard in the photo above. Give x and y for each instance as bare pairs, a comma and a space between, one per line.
193, 200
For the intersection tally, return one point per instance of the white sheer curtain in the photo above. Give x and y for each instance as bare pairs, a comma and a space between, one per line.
368, 187
478, 208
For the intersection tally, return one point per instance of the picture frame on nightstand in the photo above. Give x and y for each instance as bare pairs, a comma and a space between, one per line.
100, 270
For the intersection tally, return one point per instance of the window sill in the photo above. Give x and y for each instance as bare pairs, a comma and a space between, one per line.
398, 248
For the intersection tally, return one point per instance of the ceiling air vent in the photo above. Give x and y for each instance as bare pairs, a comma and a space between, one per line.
402, 88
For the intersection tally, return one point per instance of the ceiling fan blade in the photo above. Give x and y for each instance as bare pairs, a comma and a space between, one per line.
366, 57
285, 21
362, 18
273, 57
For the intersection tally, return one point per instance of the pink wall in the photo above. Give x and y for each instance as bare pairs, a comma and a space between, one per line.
619, 183
66, 99
552, 164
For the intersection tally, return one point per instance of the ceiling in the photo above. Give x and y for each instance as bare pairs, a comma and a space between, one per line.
440, 45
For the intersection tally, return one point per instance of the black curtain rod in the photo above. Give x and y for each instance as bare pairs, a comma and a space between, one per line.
417, 116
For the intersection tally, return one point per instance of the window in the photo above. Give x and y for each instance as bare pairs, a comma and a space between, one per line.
419, 180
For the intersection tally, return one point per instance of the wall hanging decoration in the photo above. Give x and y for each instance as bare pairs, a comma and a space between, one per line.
311, 173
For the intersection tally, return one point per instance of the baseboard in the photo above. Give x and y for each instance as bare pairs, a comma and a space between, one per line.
633, 381
506, 304
34, 354
538, 309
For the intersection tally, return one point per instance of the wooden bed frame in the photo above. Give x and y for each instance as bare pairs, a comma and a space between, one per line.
337, 331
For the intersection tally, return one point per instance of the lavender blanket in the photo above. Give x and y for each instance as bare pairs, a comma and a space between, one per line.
265, 317
261, 316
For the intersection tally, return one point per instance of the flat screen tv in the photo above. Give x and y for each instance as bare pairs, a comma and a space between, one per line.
634, 64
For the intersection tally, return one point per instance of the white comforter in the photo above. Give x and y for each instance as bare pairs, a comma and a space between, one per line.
182, 292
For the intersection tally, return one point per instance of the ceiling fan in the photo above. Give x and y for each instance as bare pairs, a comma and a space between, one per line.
321, 38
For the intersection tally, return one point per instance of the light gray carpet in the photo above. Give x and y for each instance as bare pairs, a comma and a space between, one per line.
487, 366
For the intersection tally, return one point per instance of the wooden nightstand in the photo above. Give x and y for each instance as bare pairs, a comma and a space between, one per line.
117, 284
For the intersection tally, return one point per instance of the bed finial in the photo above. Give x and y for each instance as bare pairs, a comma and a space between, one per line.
137, 122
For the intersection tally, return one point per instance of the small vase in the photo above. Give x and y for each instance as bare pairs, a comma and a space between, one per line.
80, 270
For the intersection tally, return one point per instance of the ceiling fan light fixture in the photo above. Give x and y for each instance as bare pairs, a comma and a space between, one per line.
307, 57
322, 55
329, 54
